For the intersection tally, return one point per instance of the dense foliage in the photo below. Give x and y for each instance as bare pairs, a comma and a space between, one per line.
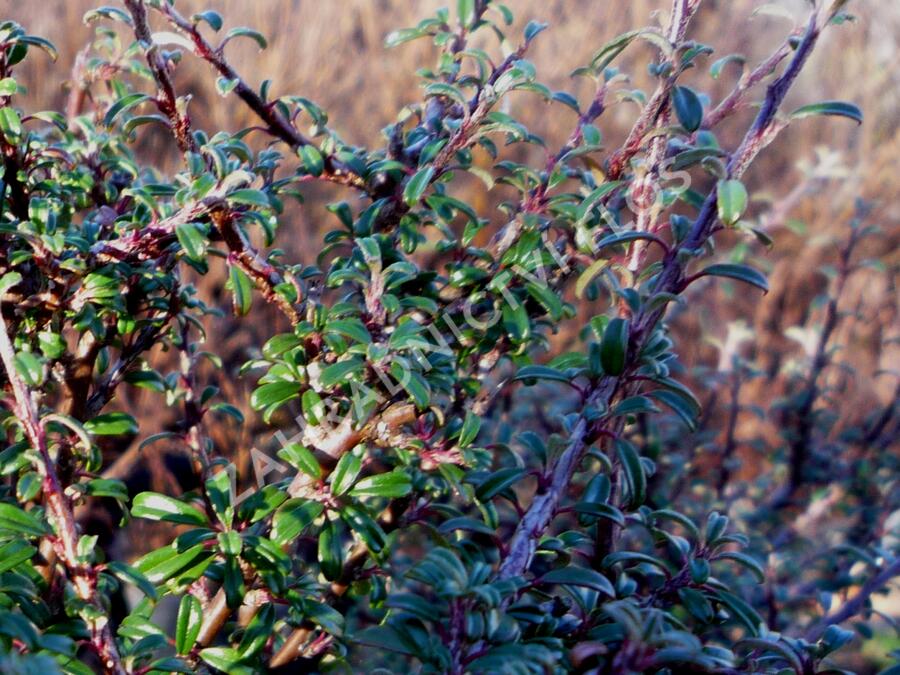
413, 513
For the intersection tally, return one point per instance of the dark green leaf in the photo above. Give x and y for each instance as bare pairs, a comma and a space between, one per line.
214, 19
837, 108
614, 346
112, 424
301, 458
256, 36
292, 517
497, 482
331, 553
635, 478
14, 519
417, 185
746, 561
156, 506
392, 484
127, 573
579, 576
340, 371
242, 289
367, 529
688, 108
125, 103
740, 272
312, 159
541, 373
187, 625
192, 241
345, 473
731, 201
272, 393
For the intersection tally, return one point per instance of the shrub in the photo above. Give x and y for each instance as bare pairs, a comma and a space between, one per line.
417, 514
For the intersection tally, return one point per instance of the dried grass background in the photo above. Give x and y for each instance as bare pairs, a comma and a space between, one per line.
331, 51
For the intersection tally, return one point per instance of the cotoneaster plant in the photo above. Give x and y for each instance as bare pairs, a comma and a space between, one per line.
403, 522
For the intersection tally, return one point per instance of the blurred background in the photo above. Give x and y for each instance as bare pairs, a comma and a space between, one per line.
804, 186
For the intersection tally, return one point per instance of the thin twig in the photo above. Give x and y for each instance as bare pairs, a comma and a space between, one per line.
670, 280
83, 576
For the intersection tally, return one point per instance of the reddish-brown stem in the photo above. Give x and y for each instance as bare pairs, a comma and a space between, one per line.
83, 576
166, 98
275, 123
544, 505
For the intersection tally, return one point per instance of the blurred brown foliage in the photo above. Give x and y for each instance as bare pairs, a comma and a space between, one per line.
332, 52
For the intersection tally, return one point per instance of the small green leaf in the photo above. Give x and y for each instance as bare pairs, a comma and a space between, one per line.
532, 30
516, 321
614, 346
743, 273
10, 124
331, 553
312, 159
398, 37
836, 108
368, 530
392, 484
550, 300
683, 406
351, 328
214, 19
413, 383
497, 482
455, 94
417, 185
192, 241
688, 108
465, 10
256, 36
52, 345
106, 487
608, 52
30, 367
633, 470
273, 393
579, 576
125, 572
371, 252
340, 371
469, 431
14, 553
300, 457
584, 209
8, 86
541, 373
599, 510
242, 290
187, 625
125, 103
731, 200
634, 405
345, 473
716, 68
250, 197
9, 280
14, 519
292, 517
225, 659
156, 506
112, 424
746, 561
